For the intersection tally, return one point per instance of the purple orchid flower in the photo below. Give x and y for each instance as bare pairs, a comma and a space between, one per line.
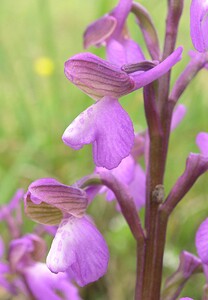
110, 31
130, 173
111, 134
199, 24
78, 247
39, 283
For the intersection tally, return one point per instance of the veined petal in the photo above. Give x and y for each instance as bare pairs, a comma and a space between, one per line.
80, 249
100, 30
108, 127
202, 142
202, 241
97, 77
199, 24
47, 200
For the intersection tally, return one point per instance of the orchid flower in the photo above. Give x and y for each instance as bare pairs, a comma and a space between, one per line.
105, 124
110, 30
25, 254
78, 247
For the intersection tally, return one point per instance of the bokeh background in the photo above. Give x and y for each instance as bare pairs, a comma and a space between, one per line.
37, 103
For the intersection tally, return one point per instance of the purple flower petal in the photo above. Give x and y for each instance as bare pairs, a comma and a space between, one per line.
124, 51
47, 200
80, 249
108, 127
202, 143
45, 285
137, 187
121, 12
26, 250
97, 32
199, 24
124, 173
178, 116
1, 247
205, 269
186, 298
201, 241
97, 77
189, 264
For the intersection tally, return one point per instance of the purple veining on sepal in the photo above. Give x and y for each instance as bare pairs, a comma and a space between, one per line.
47, 194
80, 250
199, 24
97, 77
108, 127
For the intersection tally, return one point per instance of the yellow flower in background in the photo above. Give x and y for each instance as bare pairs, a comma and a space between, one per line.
44, 66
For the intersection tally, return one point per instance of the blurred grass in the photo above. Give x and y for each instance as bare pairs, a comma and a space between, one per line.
35, 110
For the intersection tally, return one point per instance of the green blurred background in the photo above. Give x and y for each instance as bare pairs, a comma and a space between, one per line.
37, 103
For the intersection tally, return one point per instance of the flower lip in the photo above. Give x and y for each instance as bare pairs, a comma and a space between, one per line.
88, 257
108, 127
